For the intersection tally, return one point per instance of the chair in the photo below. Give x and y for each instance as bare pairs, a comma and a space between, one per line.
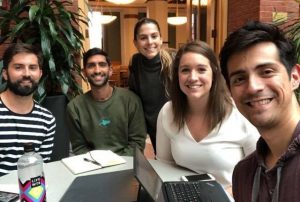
57, 105
114, 80
124, 75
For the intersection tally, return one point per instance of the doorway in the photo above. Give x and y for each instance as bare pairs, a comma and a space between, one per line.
209, 22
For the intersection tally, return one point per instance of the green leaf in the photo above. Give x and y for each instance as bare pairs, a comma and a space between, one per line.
19, 27
51, 24
22, 1
45, 44
41, 90
33, 11
52, 67
64, 88
1, 65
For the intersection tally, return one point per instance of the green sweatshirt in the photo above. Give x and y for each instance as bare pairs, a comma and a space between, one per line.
116, 124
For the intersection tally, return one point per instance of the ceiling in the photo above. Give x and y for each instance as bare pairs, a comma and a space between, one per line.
144, 1
175, 1
140, 4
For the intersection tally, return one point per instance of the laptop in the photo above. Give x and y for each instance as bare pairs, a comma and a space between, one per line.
108, 187
202, 191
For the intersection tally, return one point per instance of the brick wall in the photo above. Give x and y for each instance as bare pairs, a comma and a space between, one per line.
73, 8
267, 7
242, 11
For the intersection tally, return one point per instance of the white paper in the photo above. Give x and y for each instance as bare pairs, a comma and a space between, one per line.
14, 188
77, 164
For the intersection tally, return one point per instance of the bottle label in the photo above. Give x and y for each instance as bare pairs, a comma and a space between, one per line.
33, 190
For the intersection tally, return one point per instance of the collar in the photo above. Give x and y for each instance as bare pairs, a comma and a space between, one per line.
262, 148
151, 63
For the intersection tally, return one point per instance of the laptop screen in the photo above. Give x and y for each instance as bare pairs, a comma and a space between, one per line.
152, 183
147, 176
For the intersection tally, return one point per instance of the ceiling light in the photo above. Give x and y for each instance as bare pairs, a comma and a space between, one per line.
120, 1
106, 19
102, 18
202, 2
177, 20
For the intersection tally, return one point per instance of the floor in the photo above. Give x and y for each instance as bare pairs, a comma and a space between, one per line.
149, 152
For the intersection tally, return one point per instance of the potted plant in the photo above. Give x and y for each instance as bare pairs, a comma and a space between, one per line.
291, 28
292, 31
51, 25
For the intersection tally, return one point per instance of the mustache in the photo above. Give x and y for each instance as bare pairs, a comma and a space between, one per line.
26, 78
98, 74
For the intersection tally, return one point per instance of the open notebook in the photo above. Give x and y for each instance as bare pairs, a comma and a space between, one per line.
92, 160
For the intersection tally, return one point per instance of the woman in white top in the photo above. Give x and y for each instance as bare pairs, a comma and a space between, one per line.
200, 128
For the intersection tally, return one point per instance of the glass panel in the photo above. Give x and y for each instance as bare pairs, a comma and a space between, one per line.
199, 21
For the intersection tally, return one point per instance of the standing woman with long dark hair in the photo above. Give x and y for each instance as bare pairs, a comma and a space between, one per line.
150, 71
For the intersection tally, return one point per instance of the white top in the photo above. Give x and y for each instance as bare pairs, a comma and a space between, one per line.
216, 154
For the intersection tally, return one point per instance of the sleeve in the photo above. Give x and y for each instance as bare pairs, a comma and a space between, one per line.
163, 142
48, 143
243, 178
249, 142
137, 127
132, 80
79, 144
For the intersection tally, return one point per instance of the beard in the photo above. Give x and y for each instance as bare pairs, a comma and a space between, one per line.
20, 90
95, 84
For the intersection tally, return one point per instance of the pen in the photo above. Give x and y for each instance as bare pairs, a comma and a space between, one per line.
91, 161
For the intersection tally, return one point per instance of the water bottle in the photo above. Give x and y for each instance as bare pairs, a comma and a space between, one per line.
31, 176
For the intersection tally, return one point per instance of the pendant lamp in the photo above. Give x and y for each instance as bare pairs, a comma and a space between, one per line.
102, 18
120, 1
202, 2
177, 20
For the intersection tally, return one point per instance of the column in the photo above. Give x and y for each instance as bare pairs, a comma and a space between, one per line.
84, 29
128, 21
158, 10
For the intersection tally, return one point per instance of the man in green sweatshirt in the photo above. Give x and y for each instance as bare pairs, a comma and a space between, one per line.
105, 117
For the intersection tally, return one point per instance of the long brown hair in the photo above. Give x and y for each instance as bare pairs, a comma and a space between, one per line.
219, 103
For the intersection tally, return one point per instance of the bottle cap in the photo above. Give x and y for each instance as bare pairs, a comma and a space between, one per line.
28, 147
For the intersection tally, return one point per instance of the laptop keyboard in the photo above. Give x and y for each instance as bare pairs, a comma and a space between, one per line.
184, 191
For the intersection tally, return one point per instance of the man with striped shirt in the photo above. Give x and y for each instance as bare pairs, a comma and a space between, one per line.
21, 118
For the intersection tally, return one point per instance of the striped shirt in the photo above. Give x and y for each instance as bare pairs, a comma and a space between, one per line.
37, 127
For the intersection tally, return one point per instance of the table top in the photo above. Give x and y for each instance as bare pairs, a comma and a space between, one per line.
58, 177
169, 172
